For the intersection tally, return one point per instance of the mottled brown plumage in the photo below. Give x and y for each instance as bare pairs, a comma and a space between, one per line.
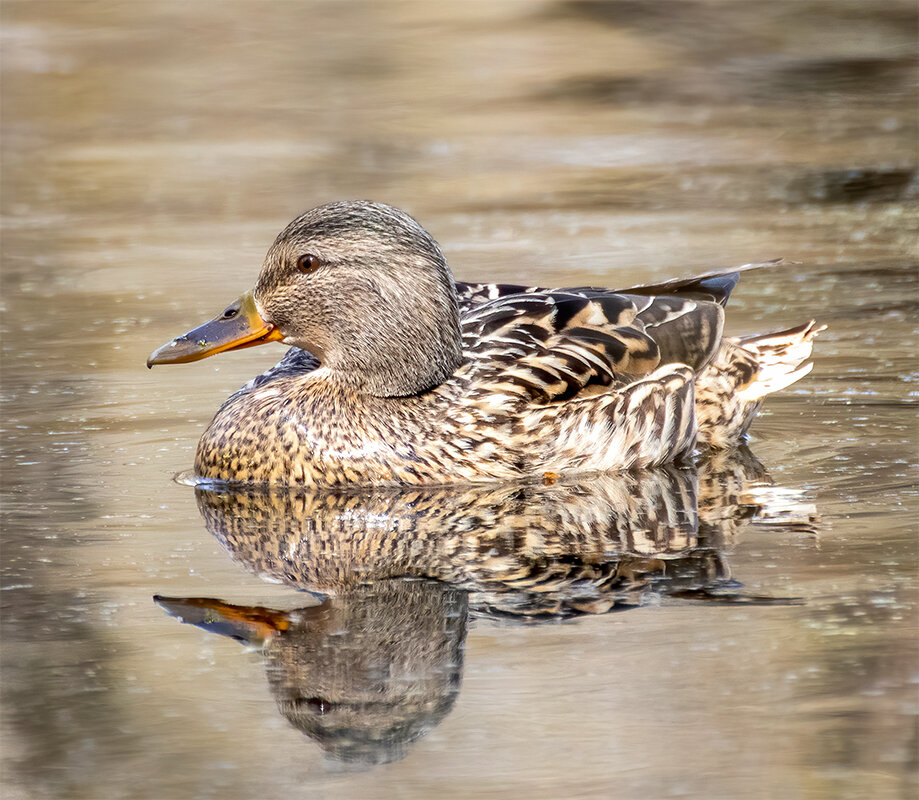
398, 375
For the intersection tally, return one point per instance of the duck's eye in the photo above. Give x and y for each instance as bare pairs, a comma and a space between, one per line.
308, 262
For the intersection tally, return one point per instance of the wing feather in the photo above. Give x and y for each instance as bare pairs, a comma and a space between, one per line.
550, 346
713, 286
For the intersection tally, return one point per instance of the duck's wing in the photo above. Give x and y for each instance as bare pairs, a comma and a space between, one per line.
715, 286
469, 295
547, 347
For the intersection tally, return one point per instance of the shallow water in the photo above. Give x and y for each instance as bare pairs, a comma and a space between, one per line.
767, 645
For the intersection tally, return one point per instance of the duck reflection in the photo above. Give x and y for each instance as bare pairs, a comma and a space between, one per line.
364, 673
378, 663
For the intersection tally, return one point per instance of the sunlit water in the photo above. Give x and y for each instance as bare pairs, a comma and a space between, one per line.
767, 640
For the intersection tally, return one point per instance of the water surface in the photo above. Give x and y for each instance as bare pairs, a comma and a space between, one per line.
767, 642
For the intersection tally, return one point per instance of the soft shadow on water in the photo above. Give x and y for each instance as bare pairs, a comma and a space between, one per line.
457, 644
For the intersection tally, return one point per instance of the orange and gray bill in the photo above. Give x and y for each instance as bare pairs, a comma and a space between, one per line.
240, 325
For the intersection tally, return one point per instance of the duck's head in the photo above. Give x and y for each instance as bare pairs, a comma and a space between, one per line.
360, 285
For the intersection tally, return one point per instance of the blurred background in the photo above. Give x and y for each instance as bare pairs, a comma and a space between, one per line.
151, 152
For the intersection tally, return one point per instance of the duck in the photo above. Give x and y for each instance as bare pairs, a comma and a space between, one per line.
397, 374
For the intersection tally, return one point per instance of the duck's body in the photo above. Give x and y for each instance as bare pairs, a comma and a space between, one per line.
490, 420
480, 383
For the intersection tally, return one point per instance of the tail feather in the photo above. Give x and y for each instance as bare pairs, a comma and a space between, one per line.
774, 382
730, 391
780, 357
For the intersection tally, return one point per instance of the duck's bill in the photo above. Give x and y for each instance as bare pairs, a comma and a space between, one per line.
240, 325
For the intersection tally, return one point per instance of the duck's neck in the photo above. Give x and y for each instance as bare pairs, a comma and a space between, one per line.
407, 352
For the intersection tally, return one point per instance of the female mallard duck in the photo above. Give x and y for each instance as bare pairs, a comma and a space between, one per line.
398, 375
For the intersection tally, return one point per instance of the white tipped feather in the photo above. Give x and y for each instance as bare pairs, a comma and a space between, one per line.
780, 356
773, 380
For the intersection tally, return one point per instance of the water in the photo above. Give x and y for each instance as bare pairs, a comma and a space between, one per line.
754, 636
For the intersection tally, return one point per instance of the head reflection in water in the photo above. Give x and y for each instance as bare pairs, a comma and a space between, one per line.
378, 663
365, 673
377, 669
